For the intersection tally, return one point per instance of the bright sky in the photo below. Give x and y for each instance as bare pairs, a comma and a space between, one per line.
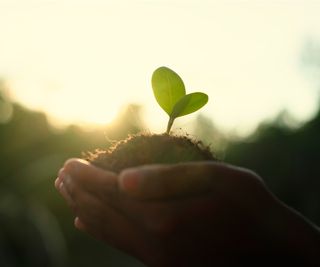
81, 61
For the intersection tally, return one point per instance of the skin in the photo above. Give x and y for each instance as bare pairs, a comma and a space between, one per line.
192, 214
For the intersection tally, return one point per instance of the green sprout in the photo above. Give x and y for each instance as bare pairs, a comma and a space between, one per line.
170, 93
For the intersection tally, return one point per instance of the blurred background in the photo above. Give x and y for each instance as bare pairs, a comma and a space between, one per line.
75, 74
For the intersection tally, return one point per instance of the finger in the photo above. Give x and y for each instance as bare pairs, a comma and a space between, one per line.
170, 181
88, 177
165, 181
79, 224
65, 194
58, 180
57, 183
105, 223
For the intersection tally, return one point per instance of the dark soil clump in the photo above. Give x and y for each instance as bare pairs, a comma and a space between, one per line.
142, 149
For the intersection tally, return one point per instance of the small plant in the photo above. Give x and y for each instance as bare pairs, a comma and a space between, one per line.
170, 93
147, 148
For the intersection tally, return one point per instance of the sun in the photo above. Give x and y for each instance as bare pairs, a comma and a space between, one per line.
70, 104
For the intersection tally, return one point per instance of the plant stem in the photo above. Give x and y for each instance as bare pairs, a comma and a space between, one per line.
170, 122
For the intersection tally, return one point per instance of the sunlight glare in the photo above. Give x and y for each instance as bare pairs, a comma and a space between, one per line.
98, 56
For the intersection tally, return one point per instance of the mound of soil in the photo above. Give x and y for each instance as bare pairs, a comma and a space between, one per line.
142, 149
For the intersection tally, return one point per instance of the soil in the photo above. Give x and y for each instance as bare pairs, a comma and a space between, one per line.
141, 149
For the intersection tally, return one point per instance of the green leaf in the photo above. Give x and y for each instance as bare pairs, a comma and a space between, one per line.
168, 88
188, 104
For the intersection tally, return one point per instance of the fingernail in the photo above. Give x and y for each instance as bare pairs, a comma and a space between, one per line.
61, 186
129, 180
78, 224
56, 183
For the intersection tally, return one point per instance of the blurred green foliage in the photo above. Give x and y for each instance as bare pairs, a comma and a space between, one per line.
287, 159
36, 227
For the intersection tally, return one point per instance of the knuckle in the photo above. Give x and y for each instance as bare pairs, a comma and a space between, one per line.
70, 164
253, 177
74, 165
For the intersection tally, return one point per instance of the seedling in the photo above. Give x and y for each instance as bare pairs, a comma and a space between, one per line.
170, 93
143, 148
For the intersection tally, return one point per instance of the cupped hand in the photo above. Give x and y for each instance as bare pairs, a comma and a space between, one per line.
190, 214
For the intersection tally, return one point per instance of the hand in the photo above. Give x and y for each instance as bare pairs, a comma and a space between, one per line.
193, 214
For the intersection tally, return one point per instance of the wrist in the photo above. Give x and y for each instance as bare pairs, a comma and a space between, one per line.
297, 239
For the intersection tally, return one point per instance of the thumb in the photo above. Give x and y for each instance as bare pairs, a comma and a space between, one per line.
178, 180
